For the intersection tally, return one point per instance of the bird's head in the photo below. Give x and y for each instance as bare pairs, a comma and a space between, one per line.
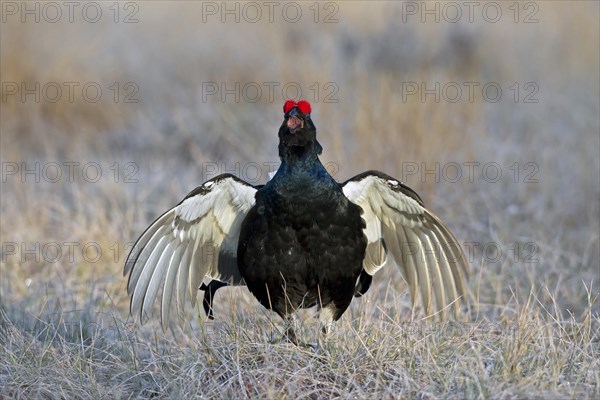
298, 134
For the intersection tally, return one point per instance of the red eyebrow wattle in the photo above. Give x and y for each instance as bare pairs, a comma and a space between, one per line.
288, 106
303, 106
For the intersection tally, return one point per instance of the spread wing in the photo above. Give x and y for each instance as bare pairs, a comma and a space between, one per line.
194, 240
429, 256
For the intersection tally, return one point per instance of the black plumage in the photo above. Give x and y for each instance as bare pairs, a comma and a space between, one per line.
299, 241
302, 244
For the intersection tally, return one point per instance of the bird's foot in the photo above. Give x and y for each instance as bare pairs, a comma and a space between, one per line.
291, 337
294, 341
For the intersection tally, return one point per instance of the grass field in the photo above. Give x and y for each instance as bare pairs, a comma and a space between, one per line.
491, 114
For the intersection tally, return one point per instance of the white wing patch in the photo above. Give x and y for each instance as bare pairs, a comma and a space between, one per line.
431, 259
193, 241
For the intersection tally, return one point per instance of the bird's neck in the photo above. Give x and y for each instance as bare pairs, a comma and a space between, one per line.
303, 182
301, 161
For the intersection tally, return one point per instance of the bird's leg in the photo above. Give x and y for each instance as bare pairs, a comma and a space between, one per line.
326, 322
289, 332
209, 294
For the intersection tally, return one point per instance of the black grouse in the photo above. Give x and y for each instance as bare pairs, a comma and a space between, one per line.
301, 240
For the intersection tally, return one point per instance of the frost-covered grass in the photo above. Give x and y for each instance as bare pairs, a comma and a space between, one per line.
531, 326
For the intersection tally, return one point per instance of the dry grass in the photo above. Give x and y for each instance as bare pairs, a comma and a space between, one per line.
532, 325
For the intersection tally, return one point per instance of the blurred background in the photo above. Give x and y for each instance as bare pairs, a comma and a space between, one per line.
113, 111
